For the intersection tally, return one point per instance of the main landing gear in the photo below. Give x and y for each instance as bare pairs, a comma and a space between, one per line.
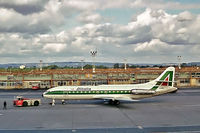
114, 102
63, 101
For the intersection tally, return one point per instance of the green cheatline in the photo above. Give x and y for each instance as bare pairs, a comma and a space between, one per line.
90, 92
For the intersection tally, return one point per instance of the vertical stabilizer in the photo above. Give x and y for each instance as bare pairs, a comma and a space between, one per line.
165, 79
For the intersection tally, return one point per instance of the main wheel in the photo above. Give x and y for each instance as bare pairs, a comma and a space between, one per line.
25, 103
111, 102
116, 102
36, 103
63, 102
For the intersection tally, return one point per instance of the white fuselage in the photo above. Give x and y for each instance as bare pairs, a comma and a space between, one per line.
107, 91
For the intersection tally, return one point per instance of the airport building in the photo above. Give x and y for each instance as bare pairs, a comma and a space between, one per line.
44, 79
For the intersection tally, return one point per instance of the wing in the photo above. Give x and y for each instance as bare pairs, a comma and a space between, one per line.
120, 98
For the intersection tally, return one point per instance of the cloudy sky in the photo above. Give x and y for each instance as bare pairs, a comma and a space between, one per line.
142, 31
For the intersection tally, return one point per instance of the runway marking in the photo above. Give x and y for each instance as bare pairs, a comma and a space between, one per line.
194, 105
1, 114
185, 132
140, 127
90, 106
73, 130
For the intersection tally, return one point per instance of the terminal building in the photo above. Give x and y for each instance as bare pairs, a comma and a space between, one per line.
44, 79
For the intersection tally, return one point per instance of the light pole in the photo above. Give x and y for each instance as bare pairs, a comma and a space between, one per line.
179, 61
125, 60
41, 64
82, 64
93, 54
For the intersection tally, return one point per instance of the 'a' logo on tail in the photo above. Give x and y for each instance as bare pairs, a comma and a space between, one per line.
165, 82
166, 79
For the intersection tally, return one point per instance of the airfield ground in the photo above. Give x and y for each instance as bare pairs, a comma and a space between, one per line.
174, 112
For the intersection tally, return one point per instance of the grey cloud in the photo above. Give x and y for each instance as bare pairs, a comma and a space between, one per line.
141, 34
105, 30
34, 29
24, 8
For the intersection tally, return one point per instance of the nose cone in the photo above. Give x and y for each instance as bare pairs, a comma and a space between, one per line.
43, 94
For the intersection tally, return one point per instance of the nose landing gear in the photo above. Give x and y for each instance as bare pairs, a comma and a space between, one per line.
53, 102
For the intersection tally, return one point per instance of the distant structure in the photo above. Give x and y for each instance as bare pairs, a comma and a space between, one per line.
48, 78
22, 66
179, 61
93, 54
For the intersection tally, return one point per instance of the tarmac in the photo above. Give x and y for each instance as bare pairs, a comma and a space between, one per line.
173, 112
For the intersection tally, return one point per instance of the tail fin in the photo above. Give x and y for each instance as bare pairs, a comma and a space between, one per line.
165, 79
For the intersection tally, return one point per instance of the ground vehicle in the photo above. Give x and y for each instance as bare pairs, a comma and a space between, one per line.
35, 85
21, 101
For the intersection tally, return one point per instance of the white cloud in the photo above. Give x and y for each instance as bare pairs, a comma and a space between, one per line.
88, 17
70, 29
41, 22
154, 45
161, 4
62, 37
80, 5
54, 47
185, 16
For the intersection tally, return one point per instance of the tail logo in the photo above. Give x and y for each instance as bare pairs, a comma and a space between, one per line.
165, 80
168, 77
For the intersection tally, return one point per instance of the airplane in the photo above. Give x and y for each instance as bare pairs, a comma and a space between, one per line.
115, 93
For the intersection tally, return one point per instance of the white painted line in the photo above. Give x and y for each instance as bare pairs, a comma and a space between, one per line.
1, 114
73, 130
140, 127
185, 132
193, 105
